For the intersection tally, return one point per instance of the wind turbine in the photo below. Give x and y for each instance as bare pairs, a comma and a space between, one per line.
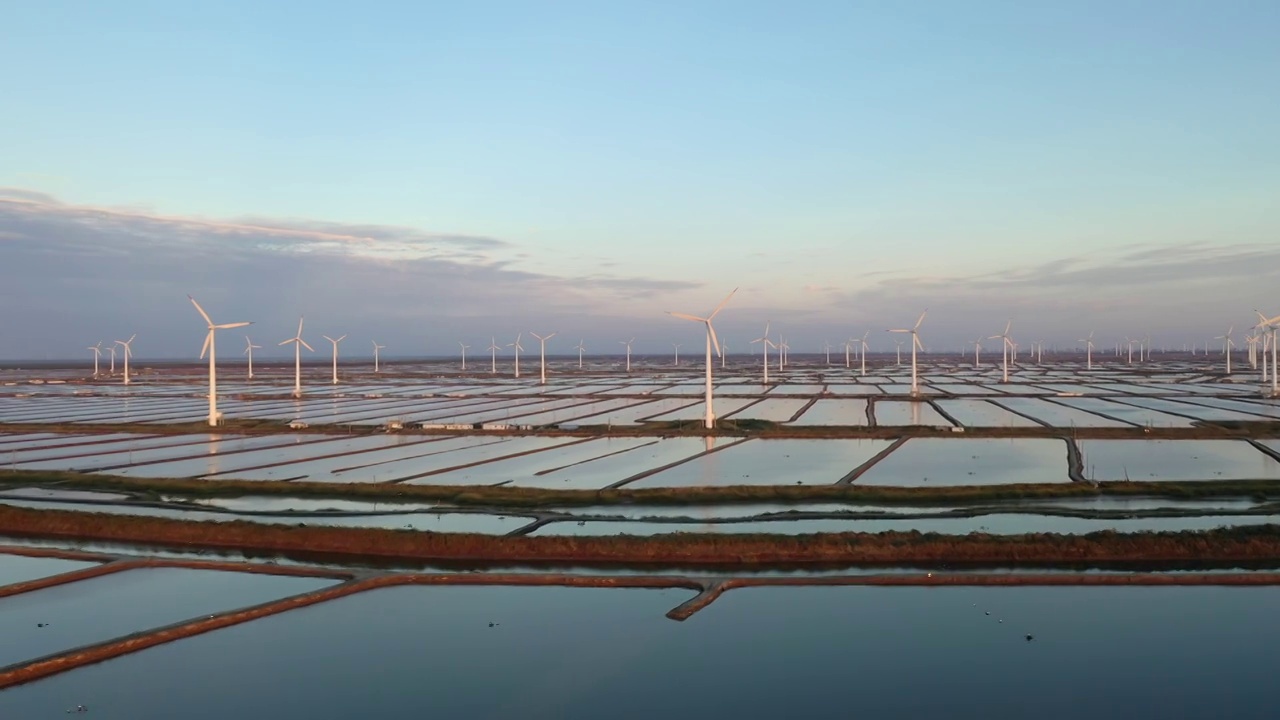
376, 348
863, 343
710, 419
335, 355
724, 356
581, 349
211, 348
826, 347
298, 343
517, 347
898, 348
1088, 348
766, 343
848, 345
464, 354
542, 355
915, 343
1227, 344
112, 349
97, 353
628, 344
1007, 343
977, 352
128, 350
493, 355
249, 351
677, 348
1270, 324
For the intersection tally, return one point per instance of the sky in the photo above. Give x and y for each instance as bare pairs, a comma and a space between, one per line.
426, 173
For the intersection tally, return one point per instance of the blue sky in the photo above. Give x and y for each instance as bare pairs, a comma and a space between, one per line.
589, 165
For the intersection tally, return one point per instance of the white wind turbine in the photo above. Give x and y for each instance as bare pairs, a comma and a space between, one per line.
628, 344
464, 354
710, 418
848, 345
97, 353
581, 349
677, 349
826, 347
517, 347
766, 342
1008, 344
112, 349
211, 348
977, 352
898, 349
376, 348
1088, 348
335, 355
914, 331
493, 355
1271, 324
128, 351
542, 355
863, 348
249, 348
298, 343
724, 356
1227, 344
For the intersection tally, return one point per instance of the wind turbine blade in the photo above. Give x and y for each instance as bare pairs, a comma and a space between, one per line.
917, 325
305, 345
686, 316
899, 331
722, 304
300, 325
131, 337
286, 342
326, 337
916, 339
200, 310
207, 339
551, 335
714, 340
228, 326
1007, 326
344, 337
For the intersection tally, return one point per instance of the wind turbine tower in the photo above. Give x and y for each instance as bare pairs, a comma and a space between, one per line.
211, 349
710, 418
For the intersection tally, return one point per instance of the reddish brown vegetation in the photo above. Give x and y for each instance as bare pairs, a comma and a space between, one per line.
1259, 544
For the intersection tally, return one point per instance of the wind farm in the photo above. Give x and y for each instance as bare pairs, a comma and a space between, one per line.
851, 485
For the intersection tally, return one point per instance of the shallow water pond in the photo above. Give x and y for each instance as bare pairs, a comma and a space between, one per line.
105, 607
754, 653
770, 462
21, 568
1176, 460
943, 462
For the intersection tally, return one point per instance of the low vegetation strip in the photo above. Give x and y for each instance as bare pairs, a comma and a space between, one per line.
1258, 545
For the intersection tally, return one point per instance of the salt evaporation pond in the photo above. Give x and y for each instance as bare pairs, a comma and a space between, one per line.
754, 653
610, 469
770, 462
835, 412
772, 409
109, 606
366, 466
945, 462
22, 568
980, 413
523, 469
1176, 460
1056, 415
895, 413
1143, 417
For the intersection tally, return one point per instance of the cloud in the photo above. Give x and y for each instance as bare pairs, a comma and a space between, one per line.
83, 273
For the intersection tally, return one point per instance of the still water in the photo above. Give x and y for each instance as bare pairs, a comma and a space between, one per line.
1123, 652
